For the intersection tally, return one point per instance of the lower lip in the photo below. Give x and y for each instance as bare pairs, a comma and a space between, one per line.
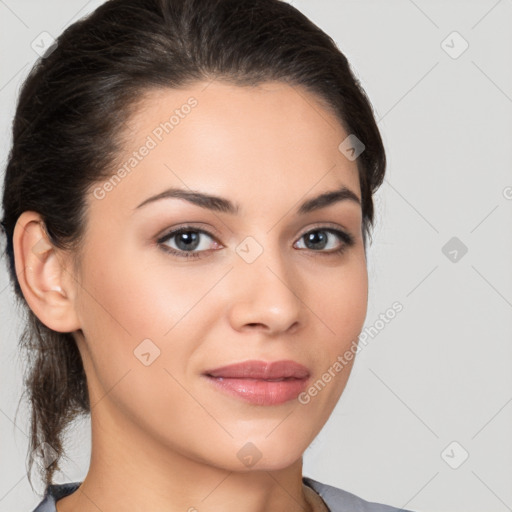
260, 392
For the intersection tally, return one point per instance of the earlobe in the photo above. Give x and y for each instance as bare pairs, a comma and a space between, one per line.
46, 283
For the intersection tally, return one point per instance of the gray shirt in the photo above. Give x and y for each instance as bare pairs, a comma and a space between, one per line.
337, 500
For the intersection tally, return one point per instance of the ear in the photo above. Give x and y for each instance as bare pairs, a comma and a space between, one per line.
44, 274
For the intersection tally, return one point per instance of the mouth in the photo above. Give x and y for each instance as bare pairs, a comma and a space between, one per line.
260, 382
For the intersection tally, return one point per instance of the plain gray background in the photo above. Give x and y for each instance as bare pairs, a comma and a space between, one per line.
425, 421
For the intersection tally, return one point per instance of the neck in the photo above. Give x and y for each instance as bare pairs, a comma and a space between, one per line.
131, 471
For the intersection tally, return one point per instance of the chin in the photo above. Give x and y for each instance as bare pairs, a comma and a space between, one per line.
254, 453
271, 453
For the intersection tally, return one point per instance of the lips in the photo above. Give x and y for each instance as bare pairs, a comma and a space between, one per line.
261, 382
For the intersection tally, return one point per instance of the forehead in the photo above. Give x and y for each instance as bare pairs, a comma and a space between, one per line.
272, 140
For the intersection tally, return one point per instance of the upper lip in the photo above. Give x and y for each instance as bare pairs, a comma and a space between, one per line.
261, 370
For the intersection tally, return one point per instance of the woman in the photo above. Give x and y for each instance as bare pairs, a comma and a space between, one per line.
187, 203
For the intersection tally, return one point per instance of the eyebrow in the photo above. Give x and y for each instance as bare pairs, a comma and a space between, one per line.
220, 204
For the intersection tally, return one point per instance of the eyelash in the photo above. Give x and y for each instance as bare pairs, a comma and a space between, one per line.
345, 237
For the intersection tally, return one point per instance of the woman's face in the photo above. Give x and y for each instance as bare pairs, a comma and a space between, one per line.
264, 279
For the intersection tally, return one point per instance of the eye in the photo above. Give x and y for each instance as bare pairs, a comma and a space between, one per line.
185, 241
327, 240
191, 242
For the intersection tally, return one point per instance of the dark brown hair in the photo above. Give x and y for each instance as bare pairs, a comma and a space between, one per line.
75, 101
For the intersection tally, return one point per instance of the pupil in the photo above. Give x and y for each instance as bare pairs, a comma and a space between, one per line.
317, 238
189, 238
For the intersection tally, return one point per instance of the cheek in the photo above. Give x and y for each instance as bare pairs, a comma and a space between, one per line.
341, 303
137, 297
116, 308
134, 324
131, 306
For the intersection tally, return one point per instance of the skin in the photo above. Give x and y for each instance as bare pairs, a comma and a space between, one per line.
163, 439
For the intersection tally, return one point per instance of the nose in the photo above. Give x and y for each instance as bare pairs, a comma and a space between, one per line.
266, 295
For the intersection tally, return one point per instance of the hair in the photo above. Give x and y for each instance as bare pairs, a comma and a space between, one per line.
69, 117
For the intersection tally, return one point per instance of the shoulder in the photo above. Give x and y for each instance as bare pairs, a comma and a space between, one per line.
53, 493
339, 500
